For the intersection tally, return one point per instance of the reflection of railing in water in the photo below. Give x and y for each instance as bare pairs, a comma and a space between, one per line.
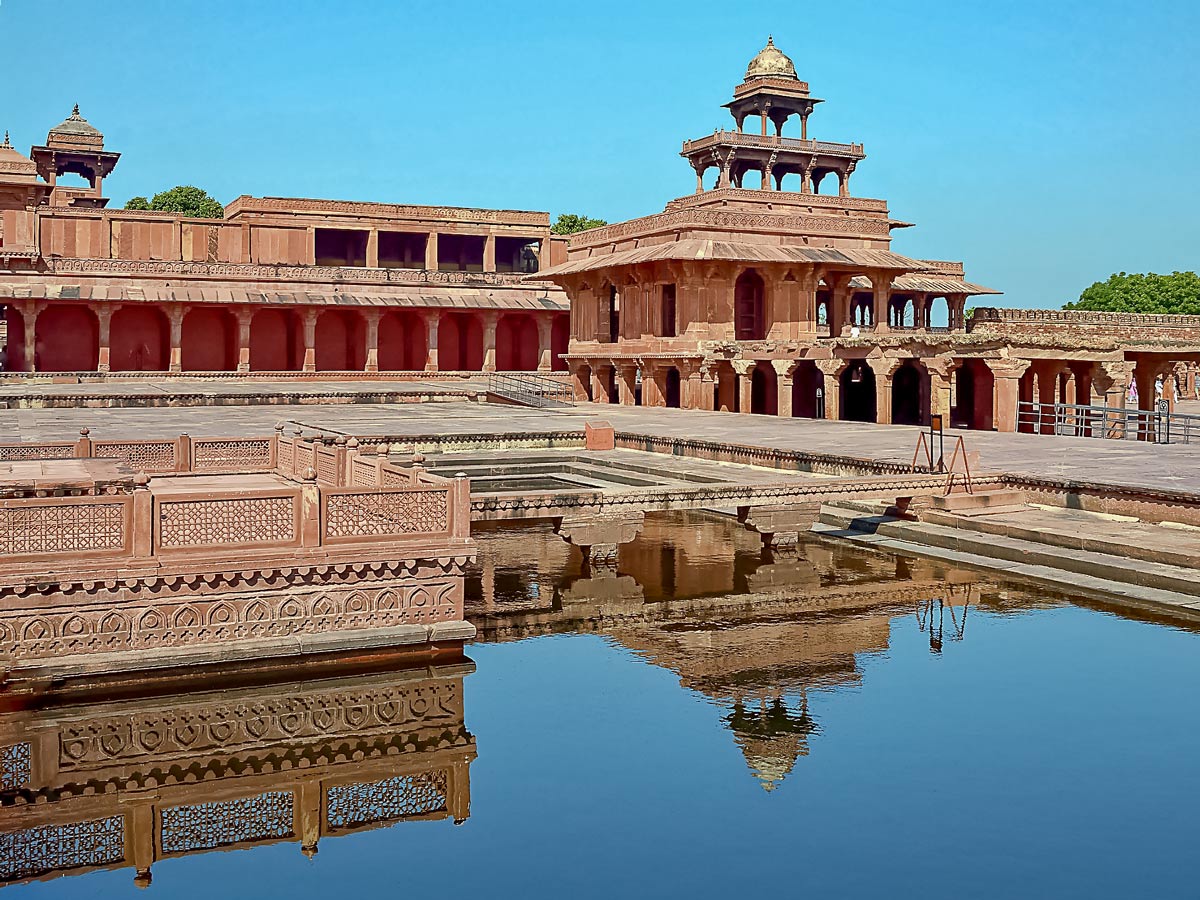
925, 613
237, 768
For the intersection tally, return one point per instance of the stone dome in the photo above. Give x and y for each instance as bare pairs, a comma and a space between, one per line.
771, 62
77, 125
14, 164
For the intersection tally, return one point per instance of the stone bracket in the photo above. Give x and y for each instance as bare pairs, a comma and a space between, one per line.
599, 535
780, 526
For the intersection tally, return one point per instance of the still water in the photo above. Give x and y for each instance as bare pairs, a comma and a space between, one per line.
703, 722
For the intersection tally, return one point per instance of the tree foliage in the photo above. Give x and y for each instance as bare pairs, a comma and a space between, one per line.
1174, 294
185, 199
572, 223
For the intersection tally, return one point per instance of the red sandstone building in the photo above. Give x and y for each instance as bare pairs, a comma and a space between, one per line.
277, 285
760, 293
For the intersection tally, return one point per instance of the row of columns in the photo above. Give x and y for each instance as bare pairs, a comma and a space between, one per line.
244, 316
712, 386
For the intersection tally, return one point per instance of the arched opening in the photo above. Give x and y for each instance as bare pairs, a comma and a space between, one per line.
611, 378
938, 313
819, 181
974, 386
764, 390
667, 311
672, 392
902, 311
402, 342
858, 392
808, 392
910, 395
139, 340
66, 339
749, 307
13, 352
560, 340
276, 342
862, 312
611, 312
791, 181
460, 343
516, 343
752, 179
208, 341
340, 344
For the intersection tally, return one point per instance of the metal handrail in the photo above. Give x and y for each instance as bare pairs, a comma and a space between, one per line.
531, 390
1109, 422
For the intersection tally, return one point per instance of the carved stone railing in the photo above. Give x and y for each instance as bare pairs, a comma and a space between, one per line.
773, 142
816, 201
184, 454
1081, 317
738, 219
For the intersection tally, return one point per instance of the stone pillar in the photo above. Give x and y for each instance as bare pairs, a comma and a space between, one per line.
600, 384
881, 289
175, 316
432, 318
654, 386
579, 382
627, 384
489, 253
1006, 376
839, 303
545, 327
706, 399
490, 320
373, 248
310, 341
29, 316
941, 374
831, 369
745, 385
784, 369
693, 390
104, 326
371, 319
431, 252
726, 388
244, 316
1047, 389
883, 391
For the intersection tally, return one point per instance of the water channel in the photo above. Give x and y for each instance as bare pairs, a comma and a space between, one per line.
706, 721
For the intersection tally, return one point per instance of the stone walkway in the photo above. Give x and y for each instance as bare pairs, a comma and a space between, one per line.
1175, 467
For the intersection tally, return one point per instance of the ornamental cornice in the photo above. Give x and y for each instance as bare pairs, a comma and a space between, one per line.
387, 210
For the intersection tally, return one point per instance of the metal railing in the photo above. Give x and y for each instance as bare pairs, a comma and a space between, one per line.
531, 390
1107, 422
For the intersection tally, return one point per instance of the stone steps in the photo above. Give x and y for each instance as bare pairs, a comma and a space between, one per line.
1139, 582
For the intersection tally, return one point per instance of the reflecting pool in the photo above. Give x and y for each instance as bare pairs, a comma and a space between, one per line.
704, 721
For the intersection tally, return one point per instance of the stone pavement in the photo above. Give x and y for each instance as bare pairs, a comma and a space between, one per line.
1174, 467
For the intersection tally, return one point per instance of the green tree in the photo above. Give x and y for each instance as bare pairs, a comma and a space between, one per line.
571, 223
1174, 294
184, 199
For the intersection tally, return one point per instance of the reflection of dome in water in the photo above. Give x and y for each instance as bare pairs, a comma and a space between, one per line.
771, 62
771, 738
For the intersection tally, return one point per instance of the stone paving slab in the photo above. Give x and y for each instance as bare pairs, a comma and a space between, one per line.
1171, 467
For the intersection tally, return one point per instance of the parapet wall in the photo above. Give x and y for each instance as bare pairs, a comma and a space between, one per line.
1043, 322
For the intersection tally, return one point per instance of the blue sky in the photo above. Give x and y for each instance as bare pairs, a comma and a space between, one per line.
1046, 144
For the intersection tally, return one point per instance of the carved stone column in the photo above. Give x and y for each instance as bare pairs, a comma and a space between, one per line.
104, 314
491, 319
706, 399
175, 316
244, 317
784, 370
431, 253
489, 253
600, 383
941, 375
885, 369
839, 302
371, 319
627, 384
29, 316
832, 370
579, 381
545, 328
1006, 377
310, 341
881, 291
744, 369
432, 318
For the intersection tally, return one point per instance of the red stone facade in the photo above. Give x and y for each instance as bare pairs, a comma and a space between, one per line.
277, 285
778, 299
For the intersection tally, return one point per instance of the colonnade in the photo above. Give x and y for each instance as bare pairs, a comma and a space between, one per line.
969, 392
148, 337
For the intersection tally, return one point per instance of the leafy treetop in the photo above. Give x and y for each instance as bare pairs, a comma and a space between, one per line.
1174, 294
184, 199
571, 223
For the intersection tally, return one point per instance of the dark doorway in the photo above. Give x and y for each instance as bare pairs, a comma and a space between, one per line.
764, 395
858, 392
749, 320
805, 384
908, 396
672, 397
668, 310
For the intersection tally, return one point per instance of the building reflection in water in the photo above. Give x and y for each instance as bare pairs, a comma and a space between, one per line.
696, 593
100, 781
